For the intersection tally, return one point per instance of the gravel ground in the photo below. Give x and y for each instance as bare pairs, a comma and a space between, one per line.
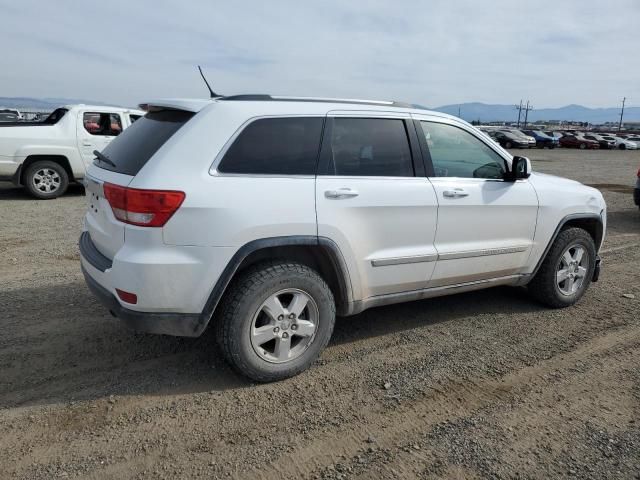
487, 384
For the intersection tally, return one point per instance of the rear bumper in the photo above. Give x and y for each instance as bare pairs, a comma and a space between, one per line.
171, 294
636, 194
177, 324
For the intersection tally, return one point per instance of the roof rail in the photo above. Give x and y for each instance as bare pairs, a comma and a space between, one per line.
274, 98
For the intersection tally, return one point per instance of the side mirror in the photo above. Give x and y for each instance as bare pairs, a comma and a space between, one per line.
520, 168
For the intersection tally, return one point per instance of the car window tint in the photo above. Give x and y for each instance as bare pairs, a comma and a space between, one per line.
370, 147
275, 146
139, 142
456, 153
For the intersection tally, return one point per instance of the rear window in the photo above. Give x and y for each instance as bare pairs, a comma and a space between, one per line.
132, 149
275, 146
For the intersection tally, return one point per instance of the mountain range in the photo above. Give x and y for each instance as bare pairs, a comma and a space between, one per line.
468, 111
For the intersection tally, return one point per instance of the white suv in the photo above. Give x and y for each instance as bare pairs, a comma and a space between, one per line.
267, 216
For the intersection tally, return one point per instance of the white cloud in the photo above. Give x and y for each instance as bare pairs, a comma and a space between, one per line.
432, 53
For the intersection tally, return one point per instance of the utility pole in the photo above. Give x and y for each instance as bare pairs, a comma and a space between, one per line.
519, 107
621, 114
459, 111
526, 113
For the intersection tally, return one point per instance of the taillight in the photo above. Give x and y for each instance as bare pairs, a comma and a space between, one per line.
639, 173
145, 208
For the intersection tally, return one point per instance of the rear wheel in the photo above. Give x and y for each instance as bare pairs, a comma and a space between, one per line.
508, 145
622, 146
583, 146
567, 270
275, 321
46, 179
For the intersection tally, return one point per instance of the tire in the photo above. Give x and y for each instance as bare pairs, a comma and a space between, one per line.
508, 145
46, 179
245, 312
545, 286
622, 146
583, 146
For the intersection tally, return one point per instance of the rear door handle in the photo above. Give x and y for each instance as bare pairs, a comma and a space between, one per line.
341, 193
455, 193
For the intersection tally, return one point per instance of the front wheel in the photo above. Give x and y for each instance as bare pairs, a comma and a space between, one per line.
275, 321
46, 180
623, 146
567, 270
508, 145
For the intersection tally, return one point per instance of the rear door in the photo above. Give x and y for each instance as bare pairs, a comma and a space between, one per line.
486, 225
128, 153
373, 200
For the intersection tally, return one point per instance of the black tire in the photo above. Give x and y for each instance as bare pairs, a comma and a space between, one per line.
508, 145
243, 301
58, 178
622, 146
583, 146
544, 286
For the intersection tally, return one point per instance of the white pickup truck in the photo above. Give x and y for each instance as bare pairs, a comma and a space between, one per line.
45, 156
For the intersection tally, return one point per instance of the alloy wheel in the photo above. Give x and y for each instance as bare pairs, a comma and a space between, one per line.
46, 180
572, 269
284, 326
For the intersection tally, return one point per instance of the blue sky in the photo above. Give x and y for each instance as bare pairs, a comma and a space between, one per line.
433, 53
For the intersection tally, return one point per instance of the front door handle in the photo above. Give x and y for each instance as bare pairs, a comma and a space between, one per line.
86, 144
455, 193
341, 193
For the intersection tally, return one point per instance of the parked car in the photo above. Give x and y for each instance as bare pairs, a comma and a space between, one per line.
542, 139
9, 115
267, 216
45, 156
572, 141
634, 138
605, 144
531, 142
508, 140
621, 143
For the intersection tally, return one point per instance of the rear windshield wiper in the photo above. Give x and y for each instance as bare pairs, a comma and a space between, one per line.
103, 158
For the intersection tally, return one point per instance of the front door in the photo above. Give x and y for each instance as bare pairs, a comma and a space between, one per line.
486, 225
372, 203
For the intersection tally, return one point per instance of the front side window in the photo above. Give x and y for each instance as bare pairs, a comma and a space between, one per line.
275, 146
106, 124
364, 147
456, 153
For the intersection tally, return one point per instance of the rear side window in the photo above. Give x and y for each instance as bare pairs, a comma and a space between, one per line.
131, 150
275, 146
369, 147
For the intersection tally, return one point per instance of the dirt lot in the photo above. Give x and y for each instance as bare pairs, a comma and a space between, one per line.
482, 385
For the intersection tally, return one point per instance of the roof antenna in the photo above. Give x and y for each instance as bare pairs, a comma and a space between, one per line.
213, 94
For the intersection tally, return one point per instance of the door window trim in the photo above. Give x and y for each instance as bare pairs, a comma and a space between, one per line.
417, 162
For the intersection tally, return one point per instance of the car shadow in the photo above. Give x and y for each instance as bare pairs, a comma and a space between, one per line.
9, 191
60, 345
